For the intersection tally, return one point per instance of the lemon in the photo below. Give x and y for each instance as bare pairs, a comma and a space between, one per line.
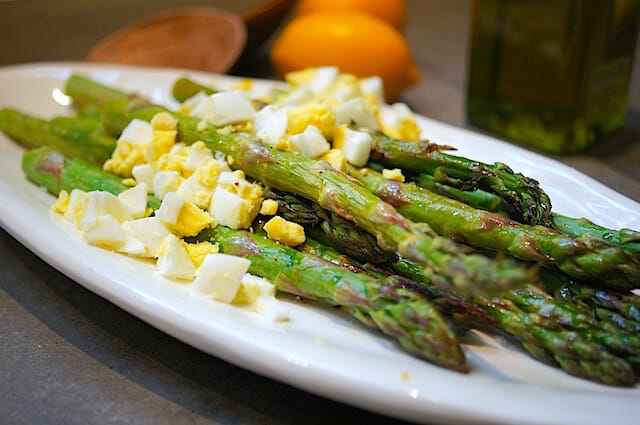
355, 43
394, 12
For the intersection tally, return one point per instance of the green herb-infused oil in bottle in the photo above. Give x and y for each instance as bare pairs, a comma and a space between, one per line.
551, 74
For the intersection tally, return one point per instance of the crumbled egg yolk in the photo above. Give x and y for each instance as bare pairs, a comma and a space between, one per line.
78, 201
407, 130
318, 114
269, 207
125, 156
248, 191
251, 288
300, 78
336, 158
345, 87
395, 175
191, 221
285, 232
174, 160
163, 141
198, 251
62, 203
245, 84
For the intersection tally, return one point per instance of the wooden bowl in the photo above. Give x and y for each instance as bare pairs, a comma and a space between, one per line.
199, 38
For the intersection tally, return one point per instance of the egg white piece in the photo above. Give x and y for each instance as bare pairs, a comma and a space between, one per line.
150, 231
229, 209
165, 182
135, 199
137, 132
173, 259
200, 106
220, 276
356, 146
299, 96
231, 107
132, 245
322, 78
265, 287
271, 309
373, 86
144, 173
198, 156
271, 124
356, 110
310, 143
102, 230
102, 203
170, 208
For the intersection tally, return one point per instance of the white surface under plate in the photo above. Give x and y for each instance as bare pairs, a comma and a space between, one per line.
319, 350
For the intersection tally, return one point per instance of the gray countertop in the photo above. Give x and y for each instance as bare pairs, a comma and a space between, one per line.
68, 356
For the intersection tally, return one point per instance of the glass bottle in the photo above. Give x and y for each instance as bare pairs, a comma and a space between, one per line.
551, 74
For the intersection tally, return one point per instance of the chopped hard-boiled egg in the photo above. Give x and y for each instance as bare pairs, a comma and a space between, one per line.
191, 220
164, 121
124, 158
252, 287
220, 276
174, 160
198, 156
356, 111
399, 122
62, 203
235, 201
135, 199
104, 203
271, 125
336, 158
297, 97
244, 84
130, 148
231, 107
271, 309
163, 142
372, 89
78, 201
285, 232
316, 79
395, 175
173, 259
151, 231
198, 251
199, 187
132, 245
165, 182
137, 132
170, 208
200, 106
344, 87
356, 145
319, 115
269, 207
144, 173
102, 230
230, 209
310, 143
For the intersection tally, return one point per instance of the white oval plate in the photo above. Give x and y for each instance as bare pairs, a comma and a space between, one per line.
319, 350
